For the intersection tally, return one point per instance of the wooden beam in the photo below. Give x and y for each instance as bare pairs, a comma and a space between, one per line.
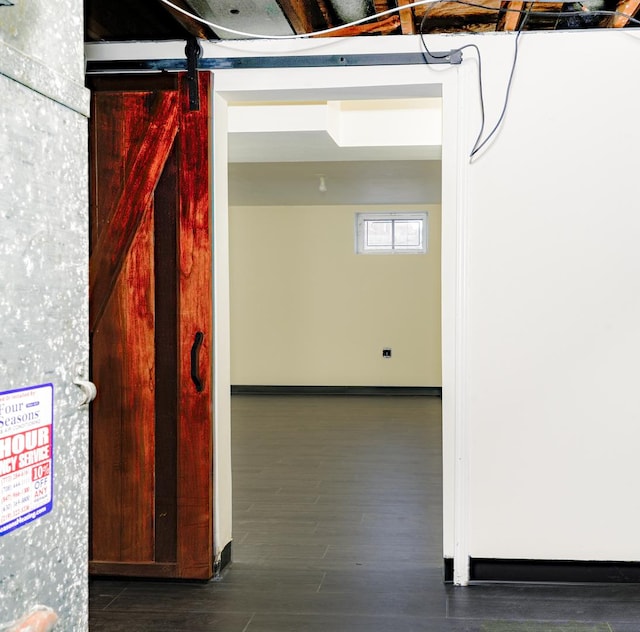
195, 28
510, 18
407, 19
461, 11
451, 17
307, 16
383, 27
326, 9
629, 8
382, 5
297, 16
94, 30
440, 9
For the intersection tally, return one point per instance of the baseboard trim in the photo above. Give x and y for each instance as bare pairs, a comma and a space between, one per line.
422, 391
448, 570
551, 571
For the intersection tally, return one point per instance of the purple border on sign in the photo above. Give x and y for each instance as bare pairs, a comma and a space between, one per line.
37, 512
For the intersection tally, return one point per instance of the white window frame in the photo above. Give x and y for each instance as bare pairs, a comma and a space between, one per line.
360, 229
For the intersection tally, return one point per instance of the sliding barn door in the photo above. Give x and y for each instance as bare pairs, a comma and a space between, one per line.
151, 330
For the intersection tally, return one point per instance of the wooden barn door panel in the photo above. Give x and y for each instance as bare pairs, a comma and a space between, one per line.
150, 300
195, 496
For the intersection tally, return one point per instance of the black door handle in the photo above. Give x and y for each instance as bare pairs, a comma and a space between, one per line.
195, 361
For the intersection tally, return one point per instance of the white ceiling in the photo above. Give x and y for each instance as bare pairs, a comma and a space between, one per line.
283, 167
317, 146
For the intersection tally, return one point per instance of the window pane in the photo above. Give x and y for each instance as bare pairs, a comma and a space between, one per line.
391, 232
408, 233
378, 234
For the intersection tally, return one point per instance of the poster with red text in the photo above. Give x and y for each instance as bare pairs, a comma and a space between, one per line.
26, 455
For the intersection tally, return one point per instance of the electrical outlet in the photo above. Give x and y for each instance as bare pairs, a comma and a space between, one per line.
386, 353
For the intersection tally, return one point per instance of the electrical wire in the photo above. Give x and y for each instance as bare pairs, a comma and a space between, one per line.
448, 54
369, 18
479, 143
583, 13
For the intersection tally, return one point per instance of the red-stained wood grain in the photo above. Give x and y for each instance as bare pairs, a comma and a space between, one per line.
137, 480
147, 157
122, 458
123, 435
166, 343
150, 272
195, 445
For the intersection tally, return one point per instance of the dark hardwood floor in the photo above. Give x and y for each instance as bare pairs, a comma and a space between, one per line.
337, 528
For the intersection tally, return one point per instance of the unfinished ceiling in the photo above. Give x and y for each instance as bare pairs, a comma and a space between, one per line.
122, 20
285, 166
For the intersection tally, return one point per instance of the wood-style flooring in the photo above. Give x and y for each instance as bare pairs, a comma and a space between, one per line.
337, 528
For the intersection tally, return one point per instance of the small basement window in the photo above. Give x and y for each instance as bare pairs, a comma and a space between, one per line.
391, 233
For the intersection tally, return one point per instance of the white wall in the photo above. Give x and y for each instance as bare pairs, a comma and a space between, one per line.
554, 306
540, 283
307, 310
546, 304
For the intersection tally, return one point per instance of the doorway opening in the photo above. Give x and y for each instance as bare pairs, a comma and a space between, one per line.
263, 177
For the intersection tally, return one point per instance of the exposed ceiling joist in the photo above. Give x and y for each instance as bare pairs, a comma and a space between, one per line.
140, 20
119, 20
448, 17
380, 6
193, 27
628, 8
199, 31
327, 13
510, 17
407, 19
384, 26
306, 16
383, 5
299, 17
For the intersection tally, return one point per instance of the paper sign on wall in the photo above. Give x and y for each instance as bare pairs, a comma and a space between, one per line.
26, 455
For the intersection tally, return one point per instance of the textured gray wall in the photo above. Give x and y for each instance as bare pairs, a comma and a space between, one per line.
50, 33
43, 288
